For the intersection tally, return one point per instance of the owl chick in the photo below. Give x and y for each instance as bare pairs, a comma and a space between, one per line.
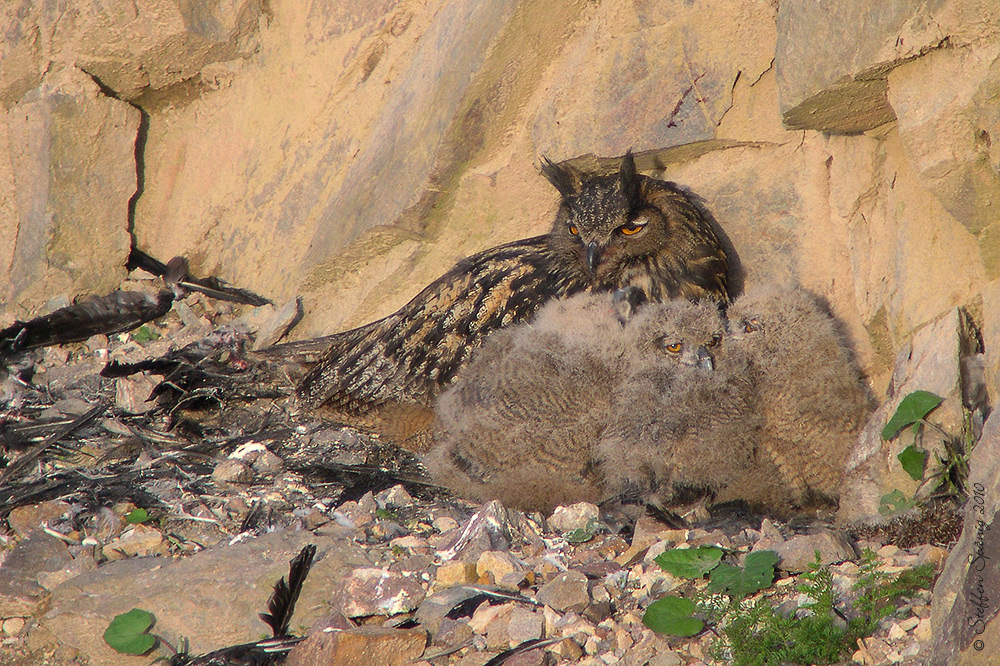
519, 422
682, 427
811, 396
611, 232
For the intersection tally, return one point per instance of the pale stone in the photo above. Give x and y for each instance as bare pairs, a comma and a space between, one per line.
524, 625
13, 625
455, 573
573, 517
948, 122
963, 593
67, 172
497, 564
832, 59
922, 632
25, 519
360, 645
138, 540
565, 592
373, 591
799, 552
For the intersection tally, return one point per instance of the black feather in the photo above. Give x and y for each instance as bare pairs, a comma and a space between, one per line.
630, 182
281, 605
563, 177
118, 311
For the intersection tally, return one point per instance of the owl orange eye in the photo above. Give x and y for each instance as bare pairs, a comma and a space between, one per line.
573, 230
633, 227
673, 347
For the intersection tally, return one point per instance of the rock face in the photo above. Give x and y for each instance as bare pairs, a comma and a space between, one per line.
963, 613
833, 58
130, 48
67, 172
946, 104
349, 153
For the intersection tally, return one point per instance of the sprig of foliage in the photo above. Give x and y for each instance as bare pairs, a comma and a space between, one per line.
950, 469
756, 574
911, 411
670, 616
754, 633
127, 632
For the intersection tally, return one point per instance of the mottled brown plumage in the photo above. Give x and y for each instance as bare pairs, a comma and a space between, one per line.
683, 426
610, 232
811, 397
519, 422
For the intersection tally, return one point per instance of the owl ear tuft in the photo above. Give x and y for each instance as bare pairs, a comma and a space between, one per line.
629, 180
563, 177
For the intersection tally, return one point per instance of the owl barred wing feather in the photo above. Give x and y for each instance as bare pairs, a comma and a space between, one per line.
612, 232
410, 354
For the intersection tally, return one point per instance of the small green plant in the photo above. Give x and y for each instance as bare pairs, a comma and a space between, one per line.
136, 516
673, 615
756, 574
950, 470
583, 534
878, 591
751, 632
144, 334
128, 632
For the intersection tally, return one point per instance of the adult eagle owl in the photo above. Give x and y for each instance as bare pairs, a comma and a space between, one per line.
611, 232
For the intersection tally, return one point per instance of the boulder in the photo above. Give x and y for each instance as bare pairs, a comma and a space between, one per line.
964, 607
833, 58
946, 104
67, 168
211, 598
932, 362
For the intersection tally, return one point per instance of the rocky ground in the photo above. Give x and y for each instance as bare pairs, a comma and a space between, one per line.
234, 483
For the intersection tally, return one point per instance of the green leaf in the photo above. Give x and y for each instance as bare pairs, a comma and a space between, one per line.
914, 461
672, 615
757, 573
913, 407
579, 535
759, 569
144, 334
136, 516
726, 579
894, 502
127, 632
690, 562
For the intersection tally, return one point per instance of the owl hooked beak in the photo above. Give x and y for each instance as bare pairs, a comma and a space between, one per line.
593, 256
700, 358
